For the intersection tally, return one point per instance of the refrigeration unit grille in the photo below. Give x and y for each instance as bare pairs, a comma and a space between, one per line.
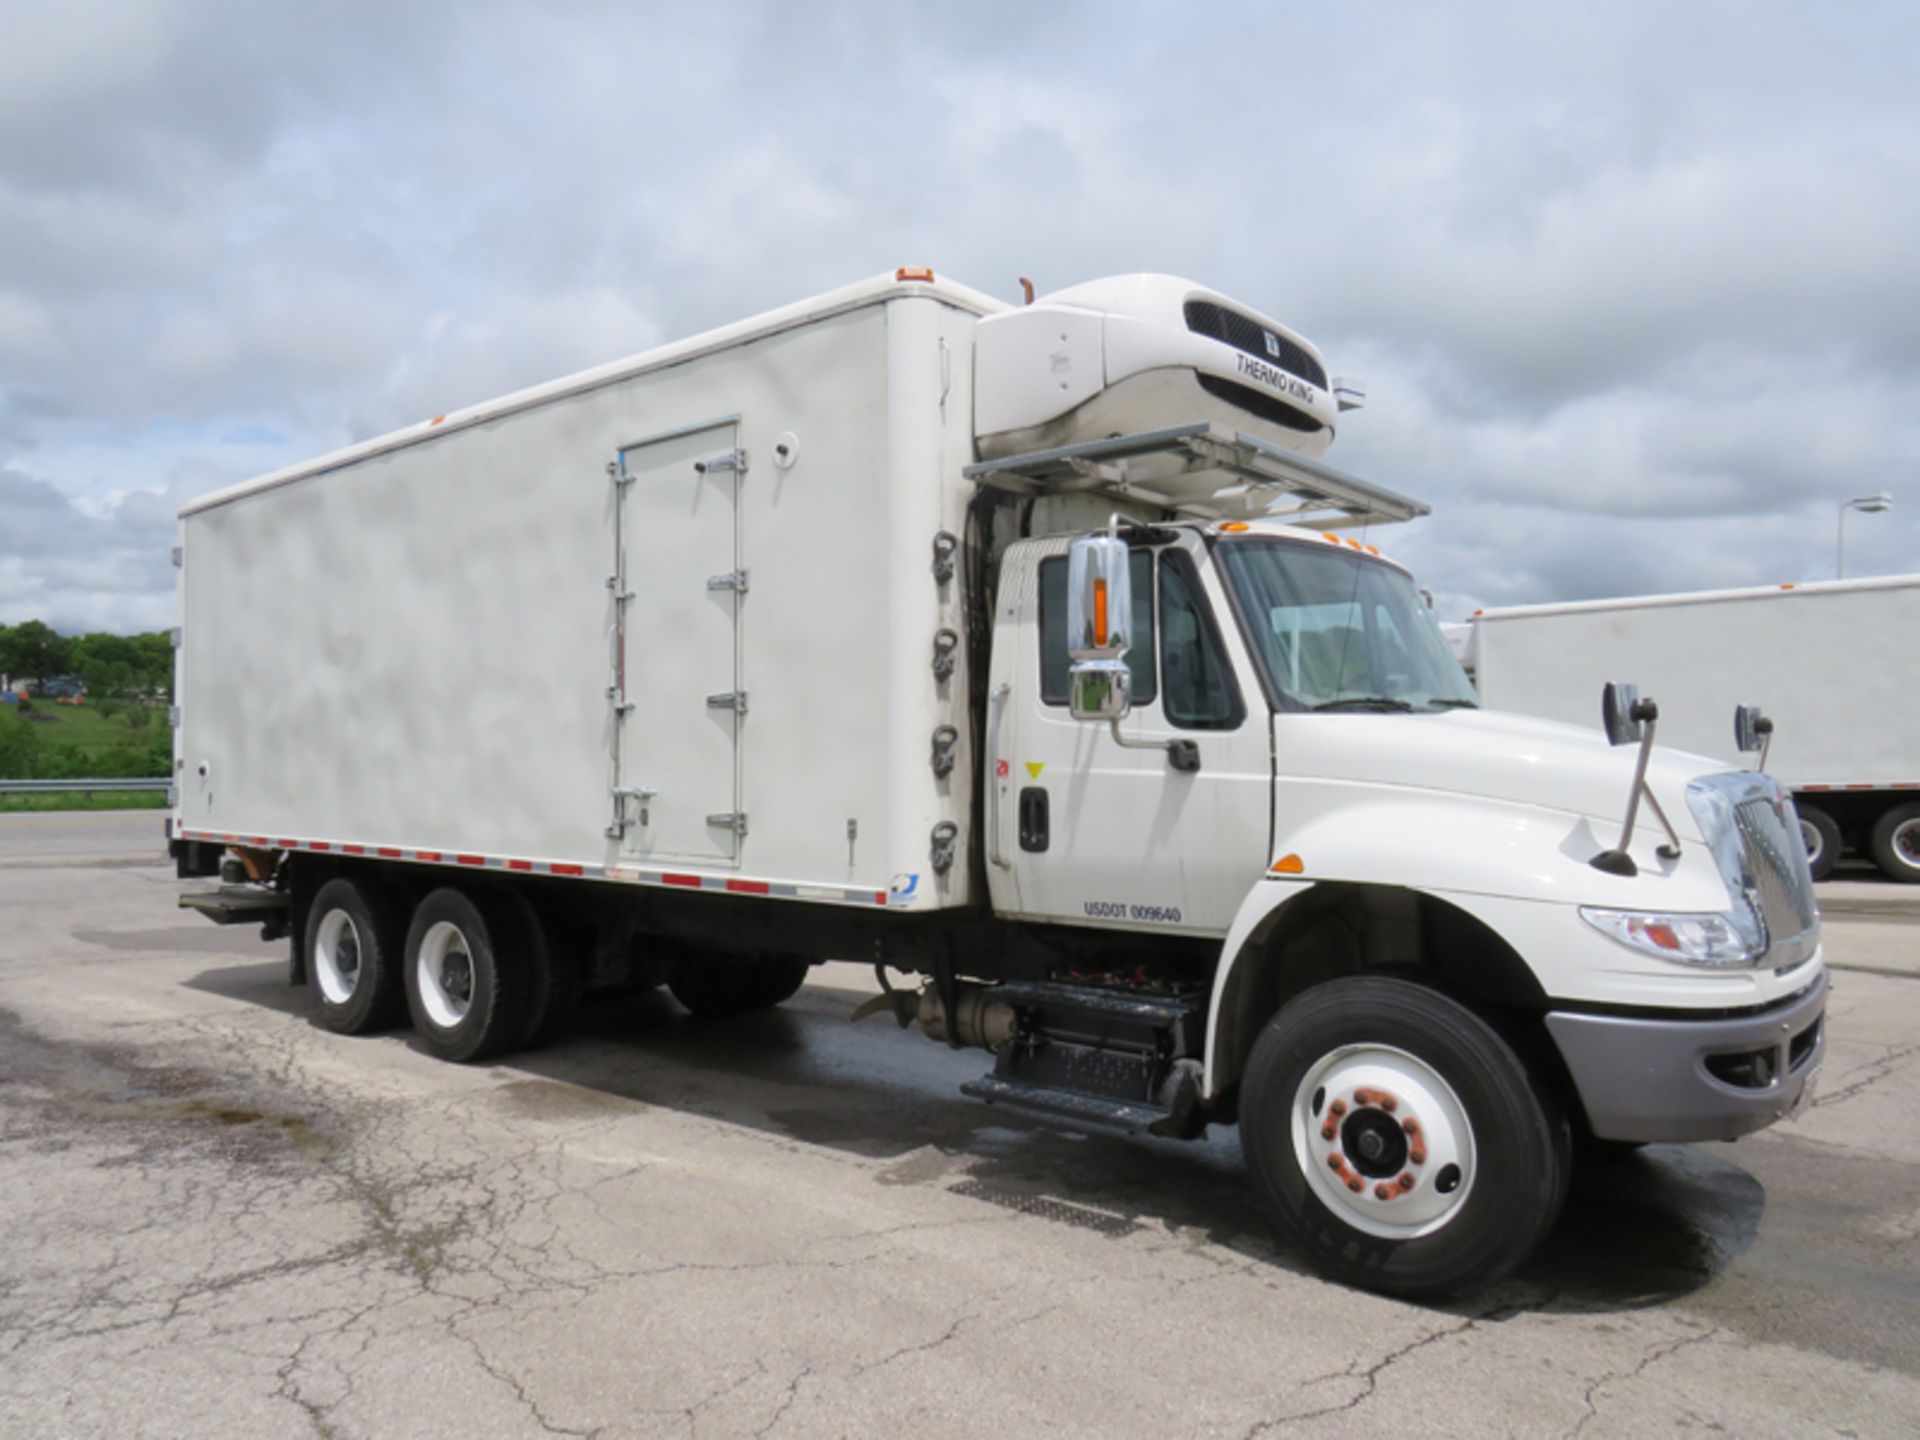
1249, 335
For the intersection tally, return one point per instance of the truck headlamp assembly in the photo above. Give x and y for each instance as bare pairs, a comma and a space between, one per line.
1707, 940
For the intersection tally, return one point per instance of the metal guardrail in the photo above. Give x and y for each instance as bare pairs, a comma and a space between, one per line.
69, 787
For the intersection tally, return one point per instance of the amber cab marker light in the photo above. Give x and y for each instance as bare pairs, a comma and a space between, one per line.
1234, 527
913, 272
1288, 865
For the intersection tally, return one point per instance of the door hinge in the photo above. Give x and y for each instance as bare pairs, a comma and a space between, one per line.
618, 699
613, 584
734, 580
179, 556
734, 820
734, 700
734, 460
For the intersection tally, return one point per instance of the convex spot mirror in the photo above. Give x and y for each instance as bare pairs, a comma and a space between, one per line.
1099, 611
1618, 704
1750, 728
1100, 689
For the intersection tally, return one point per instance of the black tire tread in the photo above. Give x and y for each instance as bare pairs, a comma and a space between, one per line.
1523, 1139
380, 1001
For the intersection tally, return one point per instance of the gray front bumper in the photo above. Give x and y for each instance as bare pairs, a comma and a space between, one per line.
1649, 1079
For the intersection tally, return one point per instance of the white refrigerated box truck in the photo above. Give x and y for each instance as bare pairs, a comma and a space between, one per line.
1033, 652
1833, 664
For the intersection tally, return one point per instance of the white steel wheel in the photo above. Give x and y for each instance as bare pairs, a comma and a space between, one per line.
352, 943
336, 956
1384, 1141
469, 967
443, 974
1397, 1141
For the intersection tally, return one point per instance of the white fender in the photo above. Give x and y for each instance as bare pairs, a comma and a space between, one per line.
1521, 870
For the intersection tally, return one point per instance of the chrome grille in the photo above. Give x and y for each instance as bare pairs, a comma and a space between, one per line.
1776, 867
1754, 836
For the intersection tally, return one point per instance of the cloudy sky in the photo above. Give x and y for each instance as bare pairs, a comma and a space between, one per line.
1635, 288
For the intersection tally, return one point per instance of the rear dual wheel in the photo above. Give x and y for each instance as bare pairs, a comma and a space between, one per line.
356, 931
1398, 1141
481, 979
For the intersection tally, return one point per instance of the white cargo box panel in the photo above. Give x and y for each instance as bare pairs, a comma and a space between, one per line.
1834, 664
672, 621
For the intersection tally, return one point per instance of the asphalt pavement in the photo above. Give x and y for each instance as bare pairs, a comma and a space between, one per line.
217, 1219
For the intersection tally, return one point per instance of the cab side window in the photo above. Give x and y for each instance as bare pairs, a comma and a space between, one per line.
1054, 659
1200, 692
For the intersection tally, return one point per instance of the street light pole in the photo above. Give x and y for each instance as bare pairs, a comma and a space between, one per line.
1868, 504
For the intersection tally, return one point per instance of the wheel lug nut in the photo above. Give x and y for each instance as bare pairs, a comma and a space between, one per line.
1417, 1156
1411, 1126
1327, 1132
1384, 1192
1405, 1182
1337, 1109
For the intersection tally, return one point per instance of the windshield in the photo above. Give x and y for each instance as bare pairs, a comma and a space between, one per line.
1333, 630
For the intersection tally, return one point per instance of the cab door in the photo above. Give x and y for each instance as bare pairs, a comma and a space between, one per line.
1084, 831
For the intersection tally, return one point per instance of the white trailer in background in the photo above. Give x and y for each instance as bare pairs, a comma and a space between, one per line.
1834, 664
1010, 648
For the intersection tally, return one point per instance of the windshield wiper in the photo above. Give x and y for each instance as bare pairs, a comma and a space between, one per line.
1454, 704
1363, 702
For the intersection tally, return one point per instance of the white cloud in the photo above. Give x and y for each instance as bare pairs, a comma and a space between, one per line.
1630, 285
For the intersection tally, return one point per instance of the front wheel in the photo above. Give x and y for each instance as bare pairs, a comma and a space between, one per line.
1398, 1141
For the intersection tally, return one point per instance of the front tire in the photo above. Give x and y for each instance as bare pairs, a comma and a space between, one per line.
1397, 1141
468, 975
355, 935
1821, 832
1896, 844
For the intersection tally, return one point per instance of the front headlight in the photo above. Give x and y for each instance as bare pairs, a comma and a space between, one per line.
1710, 940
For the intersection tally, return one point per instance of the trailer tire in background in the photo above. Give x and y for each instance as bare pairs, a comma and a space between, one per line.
469, 971
1397, 1082
1822, 834
356, 933
1896, 843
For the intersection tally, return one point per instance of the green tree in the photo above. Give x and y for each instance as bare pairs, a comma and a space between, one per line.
33, 649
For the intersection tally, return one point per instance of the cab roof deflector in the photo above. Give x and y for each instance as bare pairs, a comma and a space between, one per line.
1203, 470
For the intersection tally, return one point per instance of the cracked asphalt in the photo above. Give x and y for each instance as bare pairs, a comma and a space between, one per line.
219, 1220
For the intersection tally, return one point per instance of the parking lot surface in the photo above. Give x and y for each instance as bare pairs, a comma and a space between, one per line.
217, 1219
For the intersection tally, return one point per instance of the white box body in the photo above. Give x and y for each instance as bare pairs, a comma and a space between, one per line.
408, 646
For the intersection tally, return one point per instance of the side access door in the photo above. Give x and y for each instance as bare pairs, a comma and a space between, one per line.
678, 647
1084, 831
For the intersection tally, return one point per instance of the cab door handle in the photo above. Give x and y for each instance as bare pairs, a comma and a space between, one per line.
1033, 818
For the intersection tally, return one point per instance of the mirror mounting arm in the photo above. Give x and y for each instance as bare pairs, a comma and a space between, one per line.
1617, 861
1182, 755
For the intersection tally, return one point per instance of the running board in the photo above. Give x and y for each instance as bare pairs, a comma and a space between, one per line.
1102, 1112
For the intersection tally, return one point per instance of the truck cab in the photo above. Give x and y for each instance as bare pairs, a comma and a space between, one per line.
1422, 948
